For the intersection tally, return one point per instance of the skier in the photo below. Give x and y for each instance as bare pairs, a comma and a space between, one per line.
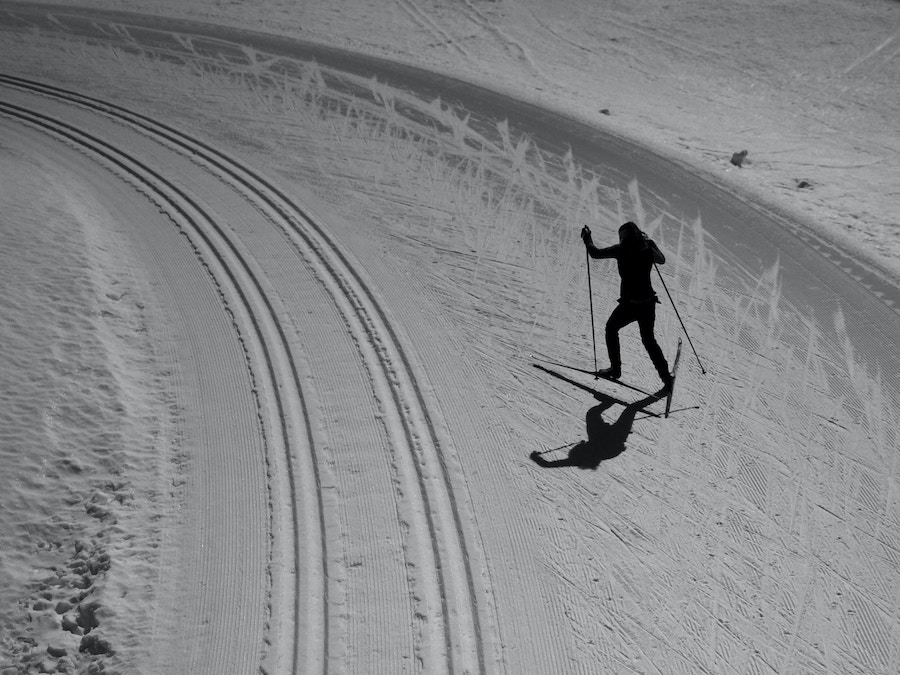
635, 254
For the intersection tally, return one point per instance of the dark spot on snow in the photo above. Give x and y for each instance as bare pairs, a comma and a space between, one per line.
739, 158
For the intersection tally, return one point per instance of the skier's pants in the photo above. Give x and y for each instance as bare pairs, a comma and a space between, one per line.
645, 314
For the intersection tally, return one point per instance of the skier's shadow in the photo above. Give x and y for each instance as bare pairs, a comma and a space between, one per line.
605, 440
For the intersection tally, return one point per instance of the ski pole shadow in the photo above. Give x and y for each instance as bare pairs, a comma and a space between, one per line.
605, 440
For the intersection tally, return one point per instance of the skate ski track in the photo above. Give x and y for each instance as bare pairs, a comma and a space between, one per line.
483, 25
301, 561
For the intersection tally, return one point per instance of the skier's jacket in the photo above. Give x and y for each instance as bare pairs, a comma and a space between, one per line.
635, 257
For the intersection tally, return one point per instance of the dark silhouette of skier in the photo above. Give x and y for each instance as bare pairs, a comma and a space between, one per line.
635, 255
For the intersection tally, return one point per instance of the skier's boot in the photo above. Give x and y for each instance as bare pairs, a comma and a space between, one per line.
667, 380
611, 373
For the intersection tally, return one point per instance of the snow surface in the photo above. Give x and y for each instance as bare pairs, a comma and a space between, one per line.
809, 89
474, 513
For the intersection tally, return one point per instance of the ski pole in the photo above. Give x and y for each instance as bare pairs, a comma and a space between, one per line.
690, 342
591, 300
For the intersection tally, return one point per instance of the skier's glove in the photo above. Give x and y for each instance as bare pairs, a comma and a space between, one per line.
586, 236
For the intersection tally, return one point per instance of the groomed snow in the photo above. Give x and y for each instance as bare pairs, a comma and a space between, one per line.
240, 440
809, 89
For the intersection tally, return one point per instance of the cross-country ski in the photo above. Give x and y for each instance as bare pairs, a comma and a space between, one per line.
671, 388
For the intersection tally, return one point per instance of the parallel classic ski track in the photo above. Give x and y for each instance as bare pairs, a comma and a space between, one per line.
452, 598
191, 218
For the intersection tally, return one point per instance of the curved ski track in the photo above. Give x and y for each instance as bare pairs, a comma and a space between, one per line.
446, 594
